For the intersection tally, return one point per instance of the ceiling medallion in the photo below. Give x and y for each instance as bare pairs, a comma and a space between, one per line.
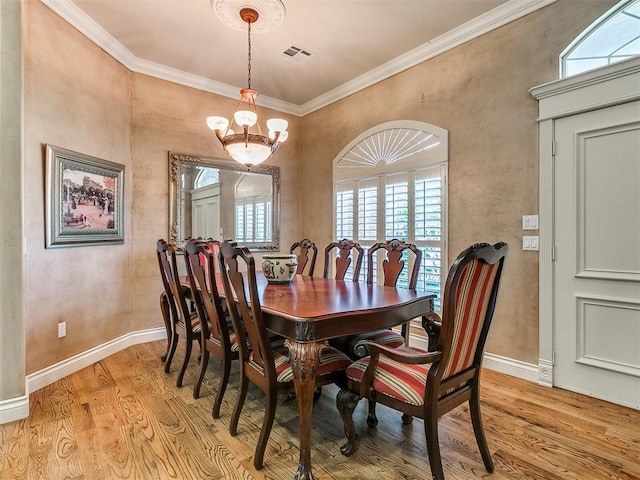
271, 12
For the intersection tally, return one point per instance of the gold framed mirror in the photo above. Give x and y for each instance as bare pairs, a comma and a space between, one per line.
221, 199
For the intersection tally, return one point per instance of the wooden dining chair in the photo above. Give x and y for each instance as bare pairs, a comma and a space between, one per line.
306, 253
344, 259
217, 335
268, 369
183, 320
392, 266
428, 384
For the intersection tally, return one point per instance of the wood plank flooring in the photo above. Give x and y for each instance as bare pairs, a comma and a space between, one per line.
123, 418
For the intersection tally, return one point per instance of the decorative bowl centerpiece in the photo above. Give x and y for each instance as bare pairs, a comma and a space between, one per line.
279, 267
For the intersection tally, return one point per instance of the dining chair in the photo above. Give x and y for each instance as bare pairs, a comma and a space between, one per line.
344, 259
428, 384
268, 369
183, 320
217, 335
392, 267
306, 252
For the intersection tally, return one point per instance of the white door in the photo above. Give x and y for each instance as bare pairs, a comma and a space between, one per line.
597, 254
205, 217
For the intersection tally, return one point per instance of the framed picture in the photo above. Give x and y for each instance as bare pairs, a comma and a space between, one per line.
84, 199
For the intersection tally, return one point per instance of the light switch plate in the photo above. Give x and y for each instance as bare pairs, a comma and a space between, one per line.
530, 243
530, 222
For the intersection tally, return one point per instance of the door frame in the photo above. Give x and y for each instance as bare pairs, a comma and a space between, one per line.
594, 90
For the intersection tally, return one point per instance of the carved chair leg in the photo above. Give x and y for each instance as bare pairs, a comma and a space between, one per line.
346, 402
185, 362
407, 419
172, 350
433, 446
372, 420
237, 409
267, 423
204, 362
405, 333
478, 430
166, 317
224, 380
317, 393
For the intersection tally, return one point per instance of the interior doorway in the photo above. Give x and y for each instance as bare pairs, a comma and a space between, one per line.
590, 233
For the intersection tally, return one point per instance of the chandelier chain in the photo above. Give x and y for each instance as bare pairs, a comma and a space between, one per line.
245, 147
249, 55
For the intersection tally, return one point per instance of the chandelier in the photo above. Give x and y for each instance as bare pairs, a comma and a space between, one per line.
249, 147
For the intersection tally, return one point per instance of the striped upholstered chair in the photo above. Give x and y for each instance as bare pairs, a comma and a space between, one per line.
429, 384
267, 368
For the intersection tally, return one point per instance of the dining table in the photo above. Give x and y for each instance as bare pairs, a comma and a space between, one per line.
309, 311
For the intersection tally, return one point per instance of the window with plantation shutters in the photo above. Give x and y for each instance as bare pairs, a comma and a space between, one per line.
344, 212
253, 209
390, 182
253, 220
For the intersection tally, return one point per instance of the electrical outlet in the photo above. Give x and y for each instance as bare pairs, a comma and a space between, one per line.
62, 329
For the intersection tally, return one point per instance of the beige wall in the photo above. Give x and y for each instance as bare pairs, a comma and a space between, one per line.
78, 97
169, 117
479, 92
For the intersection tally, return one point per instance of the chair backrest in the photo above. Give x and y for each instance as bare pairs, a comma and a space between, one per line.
246, 313
468, 304
393, 264
200, 262
165, 272
343, 259
171, 281
307, 252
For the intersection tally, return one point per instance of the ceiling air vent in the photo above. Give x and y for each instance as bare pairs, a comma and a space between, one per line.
297, 54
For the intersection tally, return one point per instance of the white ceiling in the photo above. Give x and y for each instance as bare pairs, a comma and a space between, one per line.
354, 43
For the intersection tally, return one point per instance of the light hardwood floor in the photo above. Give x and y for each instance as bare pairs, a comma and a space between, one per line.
124, 418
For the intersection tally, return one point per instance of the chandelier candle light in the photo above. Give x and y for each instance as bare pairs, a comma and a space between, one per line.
249, 148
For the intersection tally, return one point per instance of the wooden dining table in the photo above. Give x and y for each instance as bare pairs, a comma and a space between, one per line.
309, 311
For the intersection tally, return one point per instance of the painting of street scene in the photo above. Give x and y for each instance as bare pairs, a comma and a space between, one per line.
88, 201
84, 199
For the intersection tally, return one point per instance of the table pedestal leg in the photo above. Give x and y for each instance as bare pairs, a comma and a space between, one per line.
304, 359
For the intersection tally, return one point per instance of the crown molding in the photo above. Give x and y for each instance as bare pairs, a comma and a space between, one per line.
496, 18
98, 35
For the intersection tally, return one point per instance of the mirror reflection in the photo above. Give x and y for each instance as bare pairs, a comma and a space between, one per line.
214, 198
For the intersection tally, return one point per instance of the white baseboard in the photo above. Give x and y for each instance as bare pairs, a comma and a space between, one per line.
18, 408
508, 366
62, 369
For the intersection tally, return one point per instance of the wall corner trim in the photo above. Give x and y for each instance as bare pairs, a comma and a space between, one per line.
14, 409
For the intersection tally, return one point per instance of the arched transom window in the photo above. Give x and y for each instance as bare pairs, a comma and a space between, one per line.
391, 182
612, 38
